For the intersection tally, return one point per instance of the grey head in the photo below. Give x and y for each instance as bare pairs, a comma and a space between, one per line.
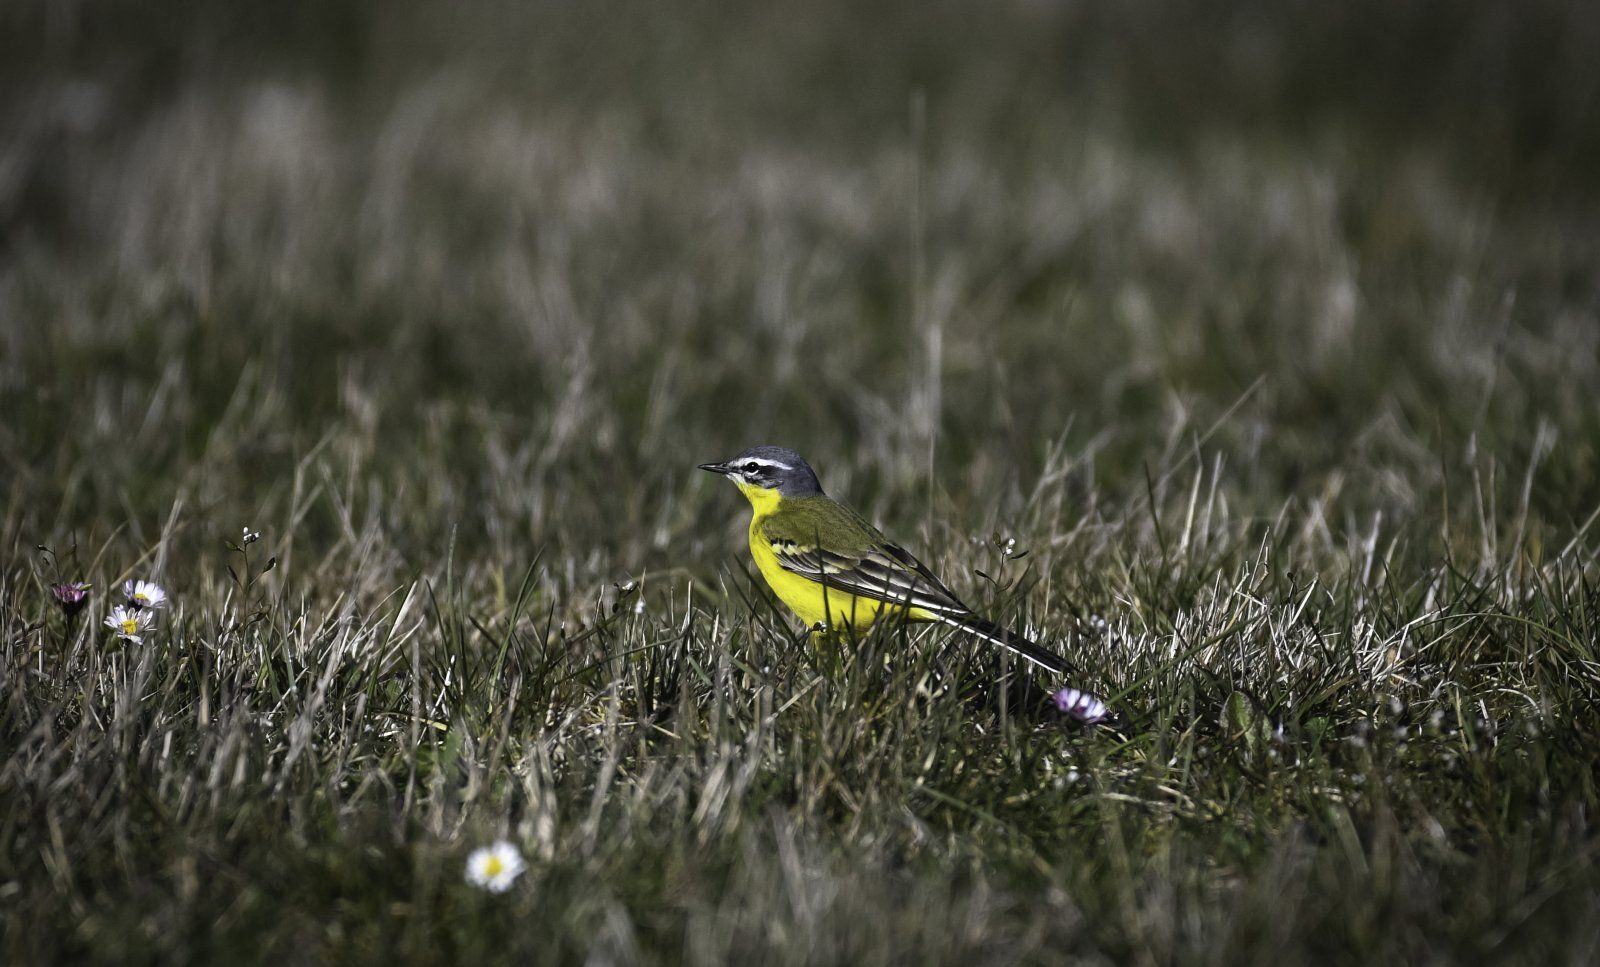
770, 468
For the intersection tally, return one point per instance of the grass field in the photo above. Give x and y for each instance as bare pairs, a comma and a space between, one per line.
1248, 354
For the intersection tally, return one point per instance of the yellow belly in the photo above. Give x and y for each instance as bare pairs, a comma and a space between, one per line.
811, 600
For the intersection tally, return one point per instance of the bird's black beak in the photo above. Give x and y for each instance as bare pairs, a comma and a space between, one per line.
720, 468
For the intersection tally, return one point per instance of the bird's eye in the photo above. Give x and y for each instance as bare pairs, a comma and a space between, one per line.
752, 467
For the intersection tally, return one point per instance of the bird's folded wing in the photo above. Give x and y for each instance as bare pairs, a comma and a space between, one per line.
883, 573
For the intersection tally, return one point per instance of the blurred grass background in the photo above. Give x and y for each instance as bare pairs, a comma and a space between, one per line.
1214, 309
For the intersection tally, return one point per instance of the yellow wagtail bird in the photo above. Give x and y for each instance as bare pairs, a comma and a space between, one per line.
832, 568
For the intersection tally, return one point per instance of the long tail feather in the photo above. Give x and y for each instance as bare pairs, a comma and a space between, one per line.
1009, 640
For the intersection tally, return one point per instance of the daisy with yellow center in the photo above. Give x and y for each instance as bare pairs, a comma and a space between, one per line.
144, 594
494, 867
130, 624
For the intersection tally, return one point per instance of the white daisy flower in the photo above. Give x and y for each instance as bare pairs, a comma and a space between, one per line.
144, 594
494, 867
130, 624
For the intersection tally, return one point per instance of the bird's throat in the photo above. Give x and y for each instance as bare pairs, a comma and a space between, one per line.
765, 500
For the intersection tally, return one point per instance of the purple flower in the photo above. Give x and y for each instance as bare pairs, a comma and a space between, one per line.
70, 597
1080, 705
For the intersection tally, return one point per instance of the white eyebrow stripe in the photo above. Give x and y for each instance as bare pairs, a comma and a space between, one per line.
762, 462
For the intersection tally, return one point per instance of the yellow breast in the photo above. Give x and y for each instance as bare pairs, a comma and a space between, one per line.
811, 600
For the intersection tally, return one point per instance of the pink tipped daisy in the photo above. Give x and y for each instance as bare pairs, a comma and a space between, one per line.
1080, 705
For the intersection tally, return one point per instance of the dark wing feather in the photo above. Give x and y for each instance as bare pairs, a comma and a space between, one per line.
884, 573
